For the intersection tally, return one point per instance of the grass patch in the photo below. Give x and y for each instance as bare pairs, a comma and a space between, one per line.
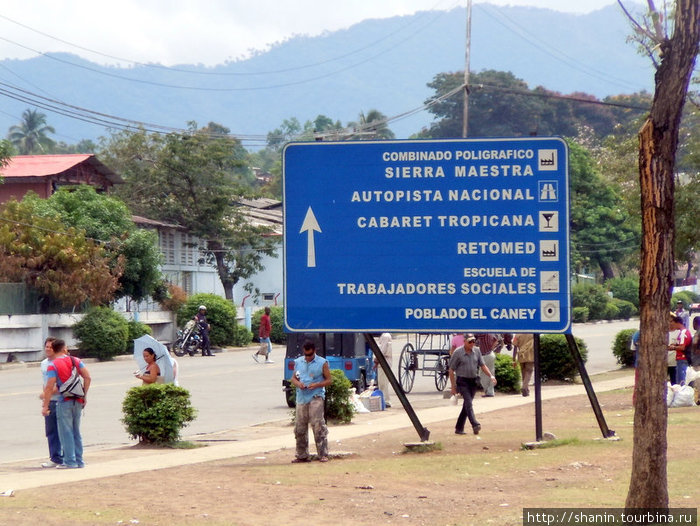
183, 444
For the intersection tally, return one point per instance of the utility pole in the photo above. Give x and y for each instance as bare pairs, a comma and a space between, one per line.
465, 116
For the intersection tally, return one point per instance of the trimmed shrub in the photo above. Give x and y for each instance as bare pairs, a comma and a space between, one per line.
626, 309
625, 289
156, 413
507, 376
592, 296
338, 405
556, 362
103, 334
610, 312
242, 336
621, 347
136, 330
580, 314
277, 334
221, 315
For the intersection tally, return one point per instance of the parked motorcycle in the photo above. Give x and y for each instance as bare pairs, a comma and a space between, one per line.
188, 340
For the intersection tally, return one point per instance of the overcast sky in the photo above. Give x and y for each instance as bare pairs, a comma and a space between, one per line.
207, 32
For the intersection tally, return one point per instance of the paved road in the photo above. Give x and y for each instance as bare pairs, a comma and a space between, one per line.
230, 391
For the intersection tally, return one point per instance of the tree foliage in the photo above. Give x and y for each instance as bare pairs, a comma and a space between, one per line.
500, 104
60, 262
600, 230
193, 180
108, 219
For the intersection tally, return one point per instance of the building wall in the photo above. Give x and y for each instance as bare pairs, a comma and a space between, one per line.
269, 281
9, 191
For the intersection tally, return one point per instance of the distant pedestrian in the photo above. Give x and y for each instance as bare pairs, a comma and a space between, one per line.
465, 364
50, 422
384, 344
265, 349
489, 344
311, 377
683, 313
69, 409
524, 354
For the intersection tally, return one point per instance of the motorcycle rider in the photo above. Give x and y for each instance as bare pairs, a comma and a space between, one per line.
204, 328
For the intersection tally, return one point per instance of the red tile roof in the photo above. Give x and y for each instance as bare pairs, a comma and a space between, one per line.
46, 165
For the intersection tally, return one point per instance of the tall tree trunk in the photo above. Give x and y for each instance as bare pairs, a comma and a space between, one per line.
607, 270
658, 141
222, 268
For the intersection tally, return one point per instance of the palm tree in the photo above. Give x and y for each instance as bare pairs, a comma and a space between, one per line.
30, 135
366, 129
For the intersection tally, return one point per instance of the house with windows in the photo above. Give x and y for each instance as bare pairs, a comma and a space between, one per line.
183, 264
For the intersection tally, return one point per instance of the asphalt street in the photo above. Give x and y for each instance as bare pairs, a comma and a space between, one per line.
230, 391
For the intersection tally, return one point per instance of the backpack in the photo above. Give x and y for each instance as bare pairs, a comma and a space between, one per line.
73, 386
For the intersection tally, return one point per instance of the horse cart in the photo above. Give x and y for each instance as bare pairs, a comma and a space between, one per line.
427, 353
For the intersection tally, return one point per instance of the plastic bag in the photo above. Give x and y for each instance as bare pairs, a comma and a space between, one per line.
684, 397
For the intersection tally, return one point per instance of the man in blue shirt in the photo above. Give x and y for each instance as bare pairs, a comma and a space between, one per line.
311, 377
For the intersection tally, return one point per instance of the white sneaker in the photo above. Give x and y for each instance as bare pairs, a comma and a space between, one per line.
269, 361
49, 464
255, 357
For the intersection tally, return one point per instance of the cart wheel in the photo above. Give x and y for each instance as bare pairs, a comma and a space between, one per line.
407, 370
441, 374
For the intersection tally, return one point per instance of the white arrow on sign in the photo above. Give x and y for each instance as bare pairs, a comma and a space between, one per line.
309, 226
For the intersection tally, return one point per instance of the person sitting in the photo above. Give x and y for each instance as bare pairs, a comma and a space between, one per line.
152, 373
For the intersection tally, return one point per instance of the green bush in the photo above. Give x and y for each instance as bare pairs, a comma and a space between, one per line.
592, 296
556, 362
621, 347
136, 330
277, 334
625, 289
626, 309
103, 334
156, 413
221, 315
507, 376
242, 336
610, 312
580, 314
338, 404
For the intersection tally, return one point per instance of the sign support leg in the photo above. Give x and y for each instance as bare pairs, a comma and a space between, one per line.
573, 348
538, 389
423, 432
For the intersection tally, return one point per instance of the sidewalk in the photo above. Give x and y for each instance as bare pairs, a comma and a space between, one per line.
259, 439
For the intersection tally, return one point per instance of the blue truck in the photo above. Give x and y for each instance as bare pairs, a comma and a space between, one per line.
347, 352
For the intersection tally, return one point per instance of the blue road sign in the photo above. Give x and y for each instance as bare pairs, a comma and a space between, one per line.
427, 236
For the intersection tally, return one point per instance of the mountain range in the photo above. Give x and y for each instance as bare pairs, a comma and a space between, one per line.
382, 64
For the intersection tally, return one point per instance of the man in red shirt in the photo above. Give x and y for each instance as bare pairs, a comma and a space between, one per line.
681, 341
264, 337
69, 409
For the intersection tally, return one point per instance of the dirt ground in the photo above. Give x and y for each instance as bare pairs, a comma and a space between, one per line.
467, 480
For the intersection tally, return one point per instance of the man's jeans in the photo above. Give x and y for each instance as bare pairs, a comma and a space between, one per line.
681, 368
486, 383
51, 428
69, 413
311, 413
